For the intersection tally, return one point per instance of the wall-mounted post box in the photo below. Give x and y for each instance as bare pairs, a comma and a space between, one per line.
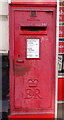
32, 58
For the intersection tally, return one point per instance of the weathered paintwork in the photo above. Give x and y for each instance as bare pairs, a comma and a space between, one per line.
32, 81
33, 1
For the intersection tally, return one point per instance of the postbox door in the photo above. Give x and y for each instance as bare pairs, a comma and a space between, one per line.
34, 64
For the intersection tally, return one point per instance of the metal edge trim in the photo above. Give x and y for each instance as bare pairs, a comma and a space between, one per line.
57, 43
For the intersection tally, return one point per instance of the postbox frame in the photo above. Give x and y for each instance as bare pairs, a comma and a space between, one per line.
57, 41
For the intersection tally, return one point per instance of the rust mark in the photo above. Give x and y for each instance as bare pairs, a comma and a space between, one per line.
21, 69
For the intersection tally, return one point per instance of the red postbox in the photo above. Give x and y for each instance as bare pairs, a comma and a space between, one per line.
32, 58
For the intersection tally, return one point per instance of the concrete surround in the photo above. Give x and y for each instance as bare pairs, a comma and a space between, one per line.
4, 35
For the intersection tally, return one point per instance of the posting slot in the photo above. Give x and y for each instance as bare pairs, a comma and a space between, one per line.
33, 29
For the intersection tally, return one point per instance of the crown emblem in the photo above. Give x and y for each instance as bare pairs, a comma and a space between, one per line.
32, 82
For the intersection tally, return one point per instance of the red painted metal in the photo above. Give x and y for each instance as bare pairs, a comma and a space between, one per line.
61, 89
16, 117
32, 82
33, 1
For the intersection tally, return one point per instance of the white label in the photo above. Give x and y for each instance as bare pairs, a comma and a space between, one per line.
32, 48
